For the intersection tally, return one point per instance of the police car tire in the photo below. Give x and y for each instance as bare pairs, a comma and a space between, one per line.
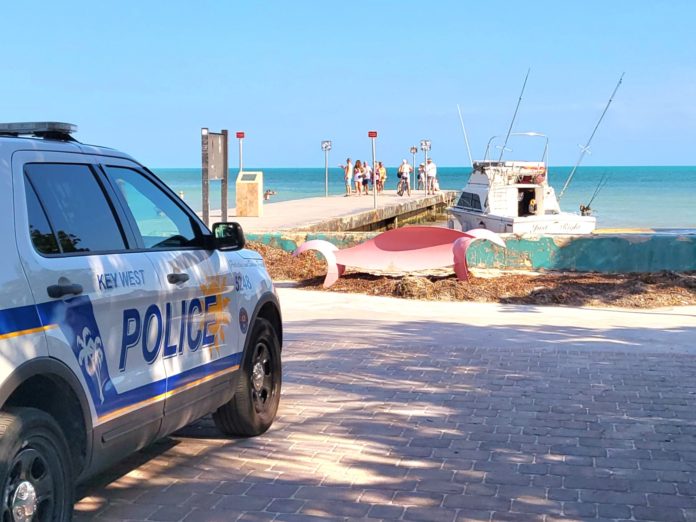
29, 433
239, 416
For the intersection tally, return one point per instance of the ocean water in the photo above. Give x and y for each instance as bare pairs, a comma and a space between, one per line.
650, 197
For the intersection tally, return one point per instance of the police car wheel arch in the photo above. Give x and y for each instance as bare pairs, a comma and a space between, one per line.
266, 298
253, 407
37, 477
49, 367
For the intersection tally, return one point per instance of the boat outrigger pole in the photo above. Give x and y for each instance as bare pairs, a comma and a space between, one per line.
466, 138
584, 150
502, 150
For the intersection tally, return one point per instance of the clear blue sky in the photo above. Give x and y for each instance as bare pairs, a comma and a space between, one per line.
144, 77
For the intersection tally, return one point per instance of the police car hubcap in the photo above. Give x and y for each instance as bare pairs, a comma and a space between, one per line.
258, 375
24, 502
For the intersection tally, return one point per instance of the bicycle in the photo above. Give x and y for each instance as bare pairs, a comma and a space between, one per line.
402, 186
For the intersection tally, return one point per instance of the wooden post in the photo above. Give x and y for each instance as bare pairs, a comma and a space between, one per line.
225, 176
205, 188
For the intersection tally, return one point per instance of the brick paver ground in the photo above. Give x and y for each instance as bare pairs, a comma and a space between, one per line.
435, 433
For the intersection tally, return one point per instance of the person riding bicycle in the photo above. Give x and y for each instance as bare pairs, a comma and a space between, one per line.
404, 174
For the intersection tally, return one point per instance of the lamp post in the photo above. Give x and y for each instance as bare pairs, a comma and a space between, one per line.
373, 136
425, 147
326, 147
414, 151
240, 137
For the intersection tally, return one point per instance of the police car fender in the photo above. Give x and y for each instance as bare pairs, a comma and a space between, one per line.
253, 289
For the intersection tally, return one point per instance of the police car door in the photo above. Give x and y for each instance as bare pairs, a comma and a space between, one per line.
75, 253
199, 342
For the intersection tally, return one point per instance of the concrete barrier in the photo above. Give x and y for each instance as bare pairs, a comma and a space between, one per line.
606, 253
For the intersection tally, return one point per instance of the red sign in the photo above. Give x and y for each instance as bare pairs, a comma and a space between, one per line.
371, 134
240, 135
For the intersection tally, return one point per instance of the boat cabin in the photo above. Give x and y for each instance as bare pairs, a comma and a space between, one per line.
509, 188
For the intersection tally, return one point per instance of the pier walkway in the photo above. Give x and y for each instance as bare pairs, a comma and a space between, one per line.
341, 213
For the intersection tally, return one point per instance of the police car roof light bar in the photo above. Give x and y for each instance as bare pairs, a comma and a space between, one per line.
42, 129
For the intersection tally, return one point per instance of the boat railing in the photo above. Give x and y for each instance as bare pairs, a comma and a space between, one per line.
544, 156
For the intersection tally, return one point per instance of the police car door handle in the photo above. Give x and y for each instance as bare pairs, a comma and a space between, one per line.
64, 289
177, 278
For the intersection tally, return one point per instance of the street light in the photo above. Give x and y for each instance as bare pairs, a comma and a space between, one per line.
425, 147
414, 151
326, 147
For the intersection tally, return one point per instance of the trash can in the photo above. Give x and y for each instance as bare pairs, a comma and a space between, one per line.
249, 190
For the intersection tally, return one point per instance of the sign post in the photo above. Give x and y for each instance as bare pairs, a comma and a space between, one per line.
326, 147
225, 176
240, 137
414, 151
373, 136
204, 181
214, 162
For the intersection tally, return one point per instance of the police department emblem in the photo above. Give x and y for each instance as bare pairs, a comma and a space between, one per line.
243, 320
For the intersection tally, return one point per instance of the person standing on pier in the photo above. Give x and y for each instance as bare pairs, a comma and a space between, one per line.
430, 174
367, 177
421, 176
348, 176
382, 176
357, 176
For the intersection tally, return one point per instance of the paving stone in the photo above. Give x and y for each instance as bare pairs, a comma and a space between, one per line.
285, 505
430, 514
387, 512
659, 514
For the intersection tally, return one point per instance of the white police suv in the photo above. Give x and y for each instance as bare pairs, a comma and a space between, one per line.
122, 318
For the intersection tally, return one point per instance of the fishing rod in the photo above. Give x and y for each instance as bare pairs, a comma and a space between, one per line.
602, 183
586, 210
586, 149
466, 138
502, 150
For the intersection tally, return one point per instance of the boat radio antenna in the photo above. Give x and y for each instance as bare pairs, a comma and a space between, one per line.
466, 138
584, 150
507, 136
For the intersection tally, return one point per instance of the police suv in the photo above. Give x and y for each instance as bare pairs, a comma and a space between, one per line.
122, 318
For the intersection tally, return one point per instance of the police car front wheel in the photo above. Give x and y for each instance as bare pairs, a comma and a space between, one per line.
252, 409
35, 468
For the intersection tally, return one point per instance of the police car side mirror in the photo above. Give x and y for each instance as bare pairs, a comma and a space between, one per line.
228, 236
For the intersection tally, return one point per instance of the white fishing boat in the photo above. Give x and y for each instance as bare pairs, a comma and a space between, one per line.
515, 197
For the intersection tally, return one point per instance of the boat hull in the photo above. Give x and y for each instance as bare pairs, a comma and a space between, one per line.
561, 223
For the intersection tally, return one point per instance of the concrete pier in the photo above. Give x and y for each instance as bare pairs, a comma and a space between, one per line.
342, 213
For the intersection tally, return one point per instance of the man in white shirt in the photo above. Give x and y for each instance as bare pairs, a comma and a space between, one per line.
431, 174
348, 176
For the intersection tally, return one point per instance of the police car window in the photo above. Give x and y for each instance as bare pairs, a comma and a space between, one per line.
42, 236
76, 207
161, 222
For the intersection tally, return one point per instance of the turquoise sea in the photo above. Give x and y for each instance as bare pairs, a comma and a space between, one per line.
651, 197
